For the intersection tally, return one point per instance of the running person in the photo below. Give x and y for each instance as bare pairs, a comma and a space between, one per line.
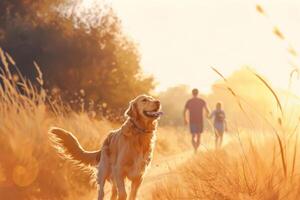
195, 108
220, 124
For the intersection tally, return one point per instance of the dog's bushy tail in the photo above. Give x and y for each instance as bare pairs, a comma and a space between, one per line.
71, 147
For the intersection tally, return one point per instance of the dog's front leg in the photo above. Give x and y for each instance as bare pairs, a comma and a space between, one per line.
121, 189
135, 185
114, 191
120, 181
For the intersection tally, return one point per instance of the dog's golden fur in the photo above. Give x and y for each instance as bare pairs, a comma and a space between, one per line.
125, 153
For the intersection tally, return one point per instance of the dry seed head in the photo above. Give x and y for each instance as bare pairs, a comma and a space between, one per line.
292, 51
278, 33
260, 9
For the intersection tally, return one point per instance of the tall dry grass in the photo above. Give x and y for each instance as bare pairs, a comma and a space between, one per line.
253, 165
30, 167
251, 171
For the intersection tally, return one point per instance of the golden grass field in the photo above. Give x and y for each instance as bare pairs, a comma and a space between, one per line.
30, 168
247, 168
251, 164
258, 163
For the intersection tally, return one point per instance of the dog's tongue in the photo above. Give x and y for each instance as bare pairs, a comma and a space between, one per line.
156, 113
160, 113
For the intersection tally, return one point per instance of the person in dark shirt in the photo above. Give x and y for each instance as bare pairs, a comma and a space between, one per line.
194, 107
220, 124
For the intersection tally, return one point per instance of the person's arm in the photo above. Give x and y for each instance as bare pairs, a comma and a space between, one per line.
206, 110
184, 116
185, 121
211, 115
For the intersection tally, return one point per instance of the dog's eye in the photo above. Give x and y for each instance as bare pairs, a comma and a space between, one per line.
144, 100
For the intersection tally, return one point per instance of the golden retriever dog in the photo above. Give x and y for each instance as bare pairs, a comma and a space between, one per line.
125, 153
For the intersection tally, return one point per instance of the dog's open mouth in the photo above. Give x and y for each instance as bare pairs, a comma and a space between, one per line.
153, 114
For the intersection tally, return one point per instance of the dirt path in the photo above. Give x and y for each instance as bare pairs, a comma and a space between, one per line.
165, 167
160, 170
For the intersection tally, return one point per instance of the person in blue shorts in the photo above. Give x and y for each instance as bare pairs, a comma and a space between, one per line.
195, 107
220, 125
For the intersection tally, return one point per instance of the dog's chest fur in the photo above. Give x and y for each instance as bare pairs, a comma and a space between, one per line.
130, 151
141, 150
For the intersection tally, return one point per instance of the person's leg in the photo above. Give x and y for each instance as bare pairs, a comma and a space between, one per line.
220, 133
220, 136
192, 130
216, 139
221, 140
199, 132
198, 140
194, 141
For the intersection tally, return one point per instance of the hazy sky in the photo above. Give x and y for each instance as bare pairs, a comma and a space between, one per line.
180, 40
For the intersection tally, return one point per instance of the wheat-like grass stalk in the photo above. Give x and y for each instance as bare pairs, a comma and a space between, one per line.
241, 107
229, 89
260, 9
294, 156
270, 89
282, 152
281, 146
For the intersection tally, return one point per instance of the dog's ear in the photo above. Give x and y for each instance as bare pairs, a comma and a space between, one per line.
131, 110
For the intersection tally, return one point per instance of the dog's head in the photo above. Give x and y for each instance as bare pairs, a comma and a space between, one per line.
144, 108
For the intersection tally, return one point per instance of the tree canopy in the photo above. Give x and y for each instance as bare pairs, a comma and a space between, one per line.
85, 51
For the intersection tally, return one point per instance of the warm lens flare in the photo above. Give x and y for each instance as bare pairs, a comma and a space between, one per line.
25, 175
192, 36
84, 83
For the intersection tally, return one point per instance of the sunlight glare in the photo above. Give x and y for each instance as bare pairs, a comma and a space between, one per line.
190, 37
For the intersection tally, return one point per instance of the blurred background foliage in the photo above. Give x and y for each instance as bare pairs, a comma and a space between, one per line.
251, 107
84, 55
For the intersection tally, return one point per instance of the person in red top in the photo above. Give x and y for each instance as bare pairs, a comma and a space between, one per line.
195, 107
